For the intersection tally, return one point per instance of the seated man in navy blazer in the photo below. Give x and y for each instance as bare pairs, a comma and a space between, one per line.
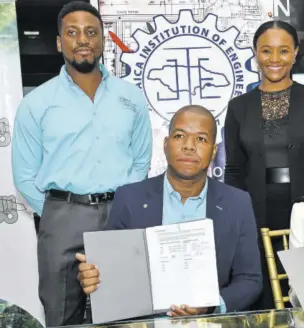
185, 193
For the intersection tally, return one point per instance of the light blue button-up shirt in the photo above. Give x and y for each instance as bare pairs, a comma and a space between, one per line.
174, 211
63, 140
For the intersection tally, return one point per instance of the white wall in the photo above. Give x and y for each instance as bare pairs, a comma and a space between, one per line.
94, 3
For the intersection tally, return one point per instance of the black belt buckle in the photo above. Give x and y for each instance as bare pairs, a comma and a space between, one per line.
94, 199
105, 196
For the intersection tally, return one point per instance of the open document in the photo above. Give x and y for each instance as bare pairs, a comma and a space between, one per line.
292, 261
145, 271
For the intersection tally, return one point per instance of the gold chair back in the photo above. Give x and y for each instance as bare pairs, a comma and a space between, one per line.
275, 278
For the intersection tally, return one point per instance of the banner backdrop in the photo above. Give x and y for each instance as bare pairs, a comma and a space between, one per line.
178, 52
182, 52
18, 274
296, 13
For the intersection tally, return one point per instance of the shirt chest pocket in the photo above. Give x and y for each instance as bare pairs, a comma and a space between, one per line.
62, 122
119, 124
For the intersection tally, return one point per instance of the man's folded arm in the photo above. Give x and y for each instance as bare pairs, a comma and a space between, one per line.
246, 282
27, 154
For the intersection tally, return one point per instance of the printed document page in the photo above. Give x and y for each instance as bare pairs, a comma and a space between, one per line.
183, 264
292, 261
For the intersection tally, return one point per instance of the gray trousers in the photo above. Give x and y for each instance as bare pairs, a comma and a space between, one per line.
60, 237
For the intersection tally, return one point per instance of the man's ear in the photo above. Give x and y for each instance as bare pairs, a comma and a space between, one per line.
59, 46
165, 144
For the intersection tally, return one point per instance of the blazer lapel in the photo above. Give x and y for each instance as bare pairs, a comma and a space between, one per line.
211, 200
214, 199
153, 211
296, 116
254, 119
215, 210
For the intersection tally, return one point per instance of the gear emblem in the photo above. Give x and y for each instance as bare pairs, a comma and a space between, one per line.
189, 62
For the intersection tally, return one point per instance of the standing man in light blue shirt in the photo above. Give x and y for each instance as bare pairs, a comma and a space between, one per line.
76, 139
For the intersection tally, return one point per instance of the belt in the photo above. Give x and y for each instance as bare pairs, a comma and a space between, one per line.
82, 199
277, 175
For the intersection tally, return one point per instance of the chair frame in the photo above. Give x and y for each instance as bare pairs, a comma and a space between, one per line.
279, 299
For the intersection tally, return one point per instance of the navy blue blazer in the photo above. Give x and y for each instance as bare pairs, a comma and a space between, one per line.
140, 205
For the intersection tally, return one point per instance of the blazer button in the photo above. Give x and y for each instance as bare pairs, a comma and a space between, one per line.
290, 146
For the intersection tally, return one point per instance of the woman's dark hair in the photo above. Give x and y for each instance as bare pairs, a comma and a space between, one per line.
279, 25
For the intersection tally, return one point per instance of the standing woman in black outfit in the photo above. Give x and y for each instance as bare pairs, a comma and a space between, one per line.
264, 137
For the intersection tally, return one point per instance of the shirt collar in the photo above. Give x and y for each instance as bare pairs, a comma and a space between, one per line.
66, 77
171, 191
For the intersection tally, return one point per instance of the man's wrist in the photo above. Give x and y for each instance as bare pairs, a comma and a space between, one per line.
210, 310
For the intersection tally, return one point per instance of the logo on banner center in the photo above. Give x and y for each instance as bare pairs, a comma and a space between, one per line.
189, 62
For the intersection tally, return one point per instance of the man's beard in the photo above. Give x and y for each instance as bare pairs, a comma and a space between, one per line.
84, 67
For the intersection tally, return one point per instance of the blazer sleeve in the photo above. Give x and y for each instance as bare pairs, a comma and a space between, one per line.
246, 279
235, 157
119, 216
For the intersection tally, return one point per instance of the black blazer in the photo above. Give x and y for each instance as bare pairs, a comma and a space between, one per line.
245, 152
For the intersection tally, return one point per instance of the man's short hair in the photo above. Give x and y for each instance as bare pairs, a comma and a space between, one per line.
73, 6
199, 110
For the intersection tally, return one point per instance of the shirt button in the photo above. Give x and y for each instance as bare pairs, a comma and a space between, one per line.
291, 146
98, 162
94, 114
97, 138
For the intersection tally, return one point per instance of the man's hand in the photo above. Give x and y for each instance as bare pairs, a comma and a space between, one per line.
185, 310
88, 275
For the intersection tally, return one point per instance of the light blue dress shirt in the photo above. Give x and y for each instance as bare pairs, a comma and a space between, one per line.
174, 211
63, 140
